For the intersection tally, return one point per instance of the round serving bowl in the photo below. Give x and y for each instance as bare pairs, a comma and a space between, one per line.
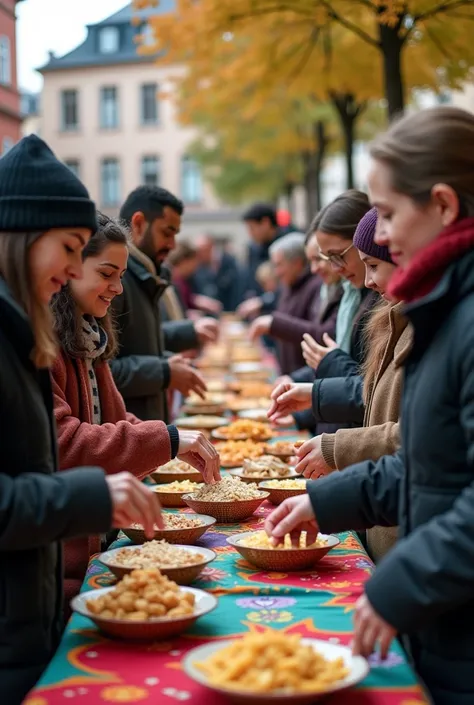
273, 449
238, 472
183, 575
357, 666
152, 629
182, 536
172, 500
165, 477
201, 422
259, 415
206, 409
277, 494
226, 512
282, 559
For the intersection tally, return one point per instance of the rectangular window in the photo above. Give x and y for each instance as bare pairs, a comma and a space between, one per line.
149, 104
109, 111
7, 144
110, 182
151, 171
5, 61
109, 40
69, 110
191, 180
74, 166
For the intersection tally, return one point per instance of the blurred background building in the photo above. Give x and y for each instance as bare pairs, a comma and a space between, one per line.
10, 116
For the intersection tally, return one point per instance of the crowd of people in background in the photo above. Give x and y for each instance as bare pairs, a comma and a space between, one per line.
370, 314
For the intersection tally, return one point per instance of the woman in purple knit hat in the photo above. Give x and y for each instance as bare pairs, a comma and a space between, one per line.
378, 390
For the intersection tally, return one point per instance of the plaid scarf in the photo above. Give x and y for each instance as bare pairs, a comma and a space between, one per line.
94, 342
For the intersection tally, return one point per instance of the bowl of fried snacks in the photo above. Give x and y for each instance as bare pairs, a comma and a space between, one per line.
229, 500
284, 488
258, 549
266, 467
179, 528
274, 667
179, 563
175, 470
171, 494
145, 604
242, 430
201, 422
233, 453
280, 449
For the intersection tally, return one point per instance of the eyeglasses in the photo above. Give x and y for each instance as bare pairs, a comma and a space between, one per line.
337, 260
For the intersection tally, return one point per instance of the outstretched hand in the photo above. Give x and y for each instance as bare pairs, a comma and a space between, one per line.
313, 352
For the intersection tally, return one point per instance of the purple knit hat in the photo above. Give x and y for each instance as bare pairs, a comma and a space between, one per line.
364, 238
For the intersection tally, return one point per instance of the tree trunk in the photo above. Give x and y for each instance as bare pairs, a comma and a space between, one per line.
348, 111
289, 197
391, 46
313, 161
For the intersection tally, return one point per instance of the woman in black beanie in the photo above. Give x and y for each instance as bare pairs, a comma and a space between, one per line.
46, 218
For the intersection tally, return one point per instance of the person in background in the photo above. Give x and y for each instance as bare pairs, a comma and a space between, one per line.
92, 424
298, 300
183, 261
265, 275
46, 219
218, 275
421, 180
373, 398
142, 371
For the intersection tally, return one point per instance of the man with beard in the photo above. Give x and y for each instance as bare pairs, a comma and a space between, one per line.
143, 371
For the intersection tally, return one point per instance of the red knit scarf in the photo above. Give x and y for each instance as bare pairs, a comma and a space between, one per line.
429, 265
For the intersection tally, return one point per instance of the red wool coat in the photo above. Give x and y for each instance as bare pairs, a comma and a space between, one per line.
121, 442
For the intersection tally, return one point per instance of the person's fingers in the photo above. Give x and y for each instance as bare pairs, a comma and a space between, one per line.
328, 341
304, 449
385, 639
276, 516
358, 635
288, 523
278, 391
369, 638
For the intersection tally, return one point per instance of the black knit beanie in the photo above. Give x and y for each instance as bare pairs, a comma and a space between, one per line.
38, 192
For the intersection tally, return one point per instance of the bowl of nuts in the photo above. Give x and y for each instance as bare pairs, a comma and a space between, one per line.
144, 605
229, 500
257, 548
283, 489
171, 494
179, 528
179, 563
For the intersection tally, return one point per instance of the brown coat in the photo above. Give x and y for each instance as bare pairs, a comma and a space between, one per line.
380, 434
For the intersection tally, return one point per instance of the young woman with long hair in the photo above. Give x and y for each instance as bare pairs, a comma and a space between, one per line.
93, 424
46, 218
421, 181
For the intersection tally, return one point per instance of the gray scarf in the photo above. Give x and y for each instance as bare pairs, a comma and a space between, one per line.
93, 342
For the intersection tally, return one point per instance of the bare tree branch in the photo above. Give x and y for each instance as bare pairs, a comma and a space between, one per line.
350, 25
440, 8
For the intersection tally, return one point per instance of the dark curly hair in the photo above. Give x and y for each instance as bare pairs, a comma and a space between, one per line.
64, 308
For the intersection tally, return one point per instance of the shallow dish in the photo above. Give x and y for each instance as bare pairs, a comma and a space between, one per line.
218, 436
200, 422
273, 449
282, 559
183, 575
357, 665
238, 472
164, 477
171, 500
209, 409
277, 494
254, 414
226, 512
183, 536
152, 629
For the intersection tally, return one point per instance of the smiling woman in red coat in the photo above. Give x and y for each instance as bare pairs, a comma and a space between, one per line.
92, 422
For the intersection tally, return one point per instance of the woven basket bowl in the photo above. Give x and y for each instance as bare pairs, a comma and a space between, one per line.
211, 409
171, 500
237, 472
277, 495
153, 629
164, 478
183, 575
226, 512
283, 559
182, 536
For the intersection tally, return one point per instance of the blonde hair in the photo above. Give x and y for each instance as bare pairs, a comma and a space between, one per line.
427, 148
15, 269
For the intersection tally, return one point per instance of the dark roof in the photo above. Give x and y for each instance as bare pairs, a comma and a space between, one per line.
88, 54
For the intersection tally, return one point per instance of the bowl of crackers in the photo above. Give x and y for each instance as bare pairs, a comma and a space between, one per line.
179, 563
257, 548
144, 605
179, 528
284, 488
229, 500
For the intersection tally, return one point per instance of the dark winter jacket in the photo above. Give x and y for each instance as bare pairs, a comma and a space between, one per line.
38, 508
425, 586
257, 255
223, 283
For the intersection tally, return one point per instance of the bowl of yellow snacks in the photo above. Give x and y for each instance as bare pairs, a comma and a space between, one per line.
144, 605
171, 494
244, 429
233, 453
179, 563
175, 470
283, 488
257, 548
229, 500
273, 667
179, 528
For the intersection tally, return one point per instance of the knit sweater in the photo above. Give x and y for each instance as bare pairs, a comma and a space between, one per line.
380, 434
120, 442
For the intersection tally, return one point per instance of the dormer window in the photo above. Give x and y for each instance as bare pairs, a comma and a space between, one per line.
109, 40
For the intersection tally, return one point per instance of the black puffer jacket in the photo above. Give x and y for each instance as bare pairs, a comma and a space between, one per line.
38, 508
425, 586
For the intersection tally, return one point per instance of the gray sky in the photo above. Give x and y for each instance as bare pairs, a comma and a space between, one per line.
56, 25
